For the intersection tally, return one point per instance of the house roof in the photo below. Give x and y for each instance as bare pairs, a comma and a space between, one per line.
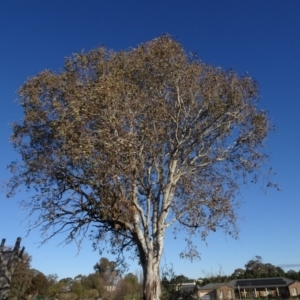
261, 282
213, 286
250, 283
187, 287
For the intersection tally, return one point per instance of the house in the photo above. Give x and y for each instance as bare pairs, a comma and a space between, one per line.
250, 288
110, 288
187, 287
213, 291
187, 290
265, 287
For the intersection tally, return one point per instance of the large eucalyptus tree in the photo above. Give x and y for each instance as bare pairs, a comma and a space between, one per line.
135, 142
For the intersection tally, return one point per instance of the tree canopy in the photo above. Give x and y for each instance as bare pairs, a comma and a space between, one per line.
133, 142
255, 268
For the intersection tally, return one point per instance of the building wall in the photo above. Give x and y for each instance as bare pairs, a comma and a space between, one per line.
220, 292
206, 294
225, 293
294, 288
283, 292
110, 288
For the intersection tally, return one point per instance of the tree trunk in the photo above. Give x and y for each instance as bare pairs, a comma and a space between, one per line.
151, 282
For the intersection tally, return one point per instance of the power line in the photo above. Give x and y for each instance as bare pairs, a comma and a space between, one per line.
289, 265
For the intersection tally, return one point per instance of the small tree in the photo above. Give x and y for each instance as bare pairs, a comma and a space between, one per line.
57, 288
134, 142
39, 284
170, 284
91, 294
128, 288
77, 288
107, 270
94, 282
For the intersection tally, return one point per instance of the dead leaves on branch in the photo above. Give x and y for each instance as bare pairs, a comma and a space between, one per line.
150, 131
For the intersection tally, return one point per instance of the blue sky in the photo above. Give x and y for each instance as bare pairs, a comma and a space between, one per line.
254, 36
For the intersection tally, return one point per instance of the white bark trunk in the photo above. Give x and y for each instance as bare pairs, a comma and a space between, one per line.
151, 286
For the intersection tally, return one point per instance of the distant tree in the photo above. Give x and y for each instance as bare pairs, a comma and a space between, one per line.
21, 278
105, 266
94, 282
39, 284
107, 278
172, 284
255, 268
205, 281
91, 294
182, 279
134, 142
255, 264
77, 289
67, 282
128, 288
238, 273
78, 277
272, 270
67, 296
215, 277
132, 279
170, 288
280, 272
52, 278
56, 289
107, 270
292, 274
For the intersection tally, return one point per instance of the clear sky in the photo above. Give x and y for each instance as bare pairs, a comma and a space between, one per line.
254, 36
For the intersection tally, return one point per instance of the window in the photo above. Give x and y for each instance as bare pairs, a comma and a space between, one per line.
221, 295
294, 292
229, 296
